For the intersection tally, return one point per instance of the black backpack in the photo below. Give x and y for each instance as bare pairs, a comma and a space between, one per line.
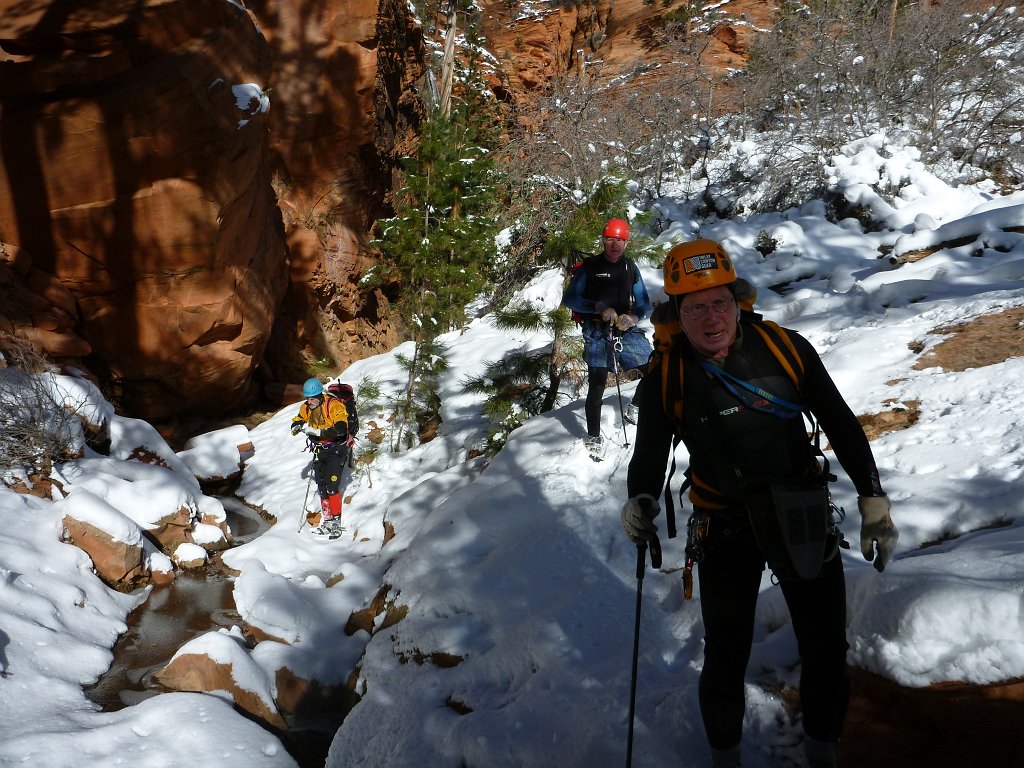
347, 396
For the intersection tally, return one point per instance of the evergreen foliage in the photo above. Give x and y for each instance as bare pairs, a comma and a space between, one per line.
524, 384
417, 412
440, 244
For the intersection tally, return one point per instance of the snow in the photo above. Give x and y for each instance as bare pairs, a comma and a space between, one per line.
215, 454
228, 647
189, 553
504, 603
251, 99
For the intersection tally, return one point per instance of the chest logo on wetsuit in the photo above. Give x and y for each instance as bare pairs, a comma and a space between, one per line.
730, 411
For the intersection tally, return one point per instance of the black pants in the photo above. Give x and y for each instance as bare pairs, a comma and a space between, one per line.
729, 578
597, 379
328, 465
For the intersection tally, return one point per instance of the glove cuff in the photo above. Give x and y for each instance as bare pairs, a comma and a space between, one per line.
648, 504
873, 509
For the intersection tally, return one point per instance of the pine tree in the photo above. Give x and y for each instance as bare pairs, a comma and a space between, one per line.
522, 385
441, 242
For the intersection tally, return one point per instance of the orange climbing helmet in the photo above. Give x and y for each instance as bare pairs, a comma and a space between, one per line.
697, 265
618, 228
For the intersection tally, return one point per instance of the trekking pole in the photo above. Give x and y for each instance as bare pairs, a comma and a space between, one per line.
641, 564
302, 520
616, 346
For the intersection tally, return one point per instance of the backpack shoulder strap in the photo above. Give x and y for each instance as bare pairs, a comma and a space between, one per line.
336, 408
778, 341
671, 369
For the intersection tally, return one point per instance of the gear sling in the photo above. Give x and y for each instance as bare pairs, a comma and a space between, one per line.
796, 506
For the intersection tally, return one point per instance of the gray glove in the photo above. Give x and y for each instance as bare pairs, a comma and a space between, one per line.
638, 518
607, 314
311, 431
625, 322
876, 529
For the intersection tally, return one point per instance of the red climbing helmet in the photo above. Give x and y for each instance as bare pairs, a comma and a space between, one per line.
618, 228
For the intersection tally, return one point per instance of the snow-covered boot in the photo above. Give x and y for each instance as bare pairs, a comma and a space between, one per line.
331, 527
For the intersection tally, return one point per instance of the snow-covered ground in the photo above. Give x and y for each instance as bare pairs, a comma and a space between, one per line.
510, 588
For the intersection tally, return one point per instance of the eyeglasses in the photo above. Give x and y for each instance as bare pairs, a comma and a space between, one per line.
697, 311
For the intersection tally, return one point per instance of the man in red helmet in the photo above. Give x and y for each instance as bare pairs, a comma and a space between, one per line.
608, 292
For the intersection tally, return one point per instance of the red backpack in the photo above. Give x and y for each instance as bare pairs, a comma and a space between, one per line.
347, 396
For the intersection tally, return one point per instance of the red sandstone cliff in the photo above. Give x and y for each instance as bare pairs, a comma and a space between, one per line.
186, 188
135, 171
143, 150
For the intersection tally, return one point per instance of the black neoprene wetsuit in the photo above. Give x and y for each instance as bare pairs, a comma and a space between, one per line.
730, 445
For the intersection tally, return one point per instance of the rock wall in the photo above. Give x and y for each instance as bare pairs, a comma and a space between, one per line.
135, 170
345, 110
144, 150
609, 39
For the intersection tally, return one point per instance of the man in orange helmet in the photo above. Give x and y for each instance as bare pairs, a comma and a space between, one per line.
734, 388
608, 292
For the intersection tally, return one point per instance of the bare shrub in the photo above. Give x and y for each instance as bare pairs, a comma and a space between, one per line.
645, 126
37, 427
833, 71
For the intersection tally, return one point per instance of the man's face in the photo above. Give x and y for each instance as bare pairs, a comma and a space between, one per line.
313, 402
613, 248
708, 319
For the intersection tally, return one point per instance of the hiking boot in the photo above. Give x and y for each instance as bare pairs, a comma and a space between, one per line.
819, 754
595, 447
330, 527
726, 758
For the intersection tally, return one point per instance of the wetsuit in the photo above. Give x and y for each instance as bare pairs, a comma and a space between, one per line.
732, 446
620, 287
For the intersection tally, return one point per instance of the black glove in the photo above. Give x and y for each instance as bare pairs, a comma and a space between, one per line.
297, 427
638, 518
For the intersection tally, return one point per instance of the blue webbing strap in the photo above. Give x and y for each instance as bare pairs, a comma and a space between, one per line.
776, 406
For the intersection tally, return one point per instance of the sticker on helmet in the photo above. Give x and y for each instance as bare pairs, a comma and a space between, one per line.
700, 262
